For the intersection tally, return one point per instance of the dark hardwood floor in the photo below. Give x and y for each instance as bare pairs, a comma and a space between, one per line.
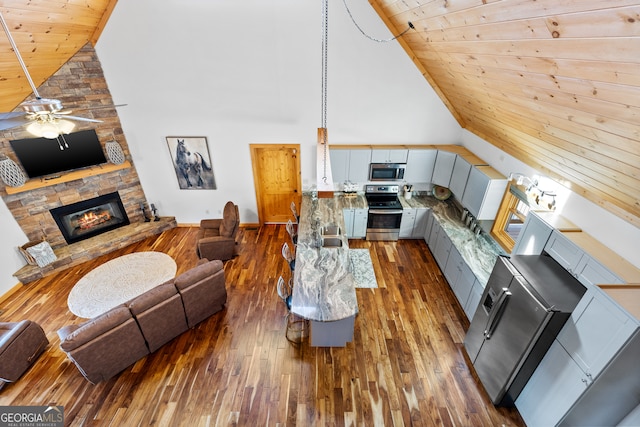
405, 366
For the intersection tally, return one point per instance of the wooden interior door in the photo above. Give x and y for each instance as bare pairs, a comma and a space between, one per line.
276, 175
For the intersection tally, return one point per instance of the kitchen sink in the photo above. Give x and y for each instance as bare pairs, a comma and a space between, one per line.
331, 242
331, 230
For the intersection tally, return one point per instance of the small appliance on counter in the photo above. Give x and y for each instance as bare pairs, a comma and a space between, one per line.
525, 304
350, 189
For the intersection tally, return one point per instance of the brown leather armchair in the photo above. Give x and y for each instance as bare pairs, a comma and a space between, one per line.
217, 237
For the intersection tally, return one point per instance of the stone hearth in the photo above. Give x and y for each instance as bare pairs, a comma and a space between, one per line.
77, 253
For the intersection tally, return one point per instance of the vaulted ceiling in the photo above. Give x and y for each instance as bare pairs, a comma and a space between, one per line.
555, 84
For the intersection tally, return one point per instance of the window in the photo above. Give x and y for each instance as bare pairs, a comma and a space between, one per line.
511, 216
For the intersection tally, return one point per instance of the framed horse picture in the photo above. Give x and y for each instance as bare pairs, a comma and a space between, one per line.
192, 162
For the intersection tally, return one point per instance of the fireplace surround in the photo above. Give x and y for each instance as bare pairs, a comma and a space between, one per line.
88, 218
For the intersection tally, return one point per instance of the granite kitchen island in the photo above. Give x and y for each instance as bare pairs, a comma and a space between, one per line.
324, 290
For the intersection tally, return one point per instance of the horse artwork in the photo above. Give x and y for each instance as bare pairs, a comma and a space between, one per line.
192, 162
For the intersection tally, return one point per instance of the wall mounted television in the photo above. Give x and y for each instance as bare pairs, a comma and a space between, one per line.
42, 156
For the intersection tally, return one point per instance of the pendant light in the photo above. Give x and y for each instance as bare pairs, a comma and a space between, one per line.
323, 163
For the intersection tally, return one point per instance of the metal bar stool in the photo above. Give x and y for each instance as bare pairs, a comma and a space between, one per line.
296, 326
294, 211
288, 256
293, 233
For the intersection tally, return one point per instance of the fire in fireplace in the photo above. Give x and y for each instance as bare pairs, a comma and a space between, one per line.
88, 218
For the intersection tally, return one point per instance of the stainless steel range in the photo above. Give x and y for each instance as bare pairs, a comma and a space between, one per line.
385, 212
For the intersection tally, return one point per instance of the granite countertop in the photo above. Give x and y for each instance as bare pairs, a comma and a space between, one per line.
479, 252
324, 288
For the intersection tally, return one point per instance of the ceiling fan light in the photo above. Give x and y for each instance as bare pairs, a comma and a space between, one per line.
65, 126
46, 130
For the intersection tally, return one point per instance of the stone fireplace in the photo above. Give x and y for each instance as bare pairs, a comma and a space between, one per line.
88, 218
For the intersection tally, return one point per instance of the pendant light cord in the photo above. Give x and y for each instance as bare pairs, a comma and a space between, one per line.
410, 27
323, 113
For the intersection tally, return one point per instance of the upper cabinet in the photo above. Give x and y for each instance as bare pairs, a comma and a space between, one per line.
420, 164
392, 155
459, 177
443, 168
484, 191
350, 164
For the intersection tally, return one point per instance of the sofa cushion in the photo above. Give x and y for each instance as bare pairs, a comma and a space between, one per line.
197, 274
151, 298
95, 327
229, 220
160, 315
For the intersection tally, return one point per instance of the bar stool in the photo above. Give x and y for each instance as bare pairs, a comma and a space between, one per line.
293, 233
294, 211
288, 256
296, 327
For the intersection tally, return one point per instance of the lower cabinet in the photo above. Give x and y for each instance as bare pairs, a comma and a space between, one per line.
555, 385
459, 276
474, 299
407, 223
414, 223
355, 220
589, 342
442, 249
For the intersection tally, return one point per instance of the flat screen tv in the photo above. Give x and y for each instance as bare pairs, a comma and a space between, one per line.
42, 156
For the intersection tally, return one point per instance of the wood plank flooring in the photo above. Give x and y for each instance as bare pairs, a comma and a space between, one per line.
405, 367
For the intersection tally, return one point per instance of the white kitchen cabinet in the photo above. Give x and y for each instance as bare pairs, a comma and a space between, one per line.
350, 164
339, 164
552, 389
474, 299
429, 225
420, 164
432, 241
443, 247
596, 330
533, 237
414, 223
407, 223
355, 221
587, 345
459, 176
583, 266
420, 225
393, 155
483, 192
443, 168
460, 277
452, 267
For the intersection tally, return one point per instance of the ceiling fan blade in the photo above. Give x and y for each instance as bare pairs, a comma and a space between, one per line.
97, 107
80, 119
12, 120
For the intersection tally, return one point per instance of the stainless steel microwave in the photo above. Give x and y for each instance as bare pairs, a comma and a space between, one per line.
387, 171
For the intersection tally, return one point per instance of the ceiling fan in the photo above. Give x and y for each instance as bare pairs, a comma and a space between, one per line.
44, 117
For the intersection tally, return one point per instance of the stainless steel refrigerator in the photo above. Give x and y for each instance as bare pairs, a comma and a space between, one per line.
526, 302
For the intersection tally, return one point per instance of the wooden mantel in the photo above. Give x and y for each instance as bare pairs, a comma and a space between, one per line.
34, 184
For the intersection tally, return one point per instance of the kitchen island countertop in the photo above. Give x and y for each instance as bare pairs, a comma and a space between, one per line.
324, 288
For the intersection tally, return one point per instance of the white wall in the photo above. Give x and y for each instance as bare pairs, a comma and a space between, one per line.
10, 258
243, 73
617, 234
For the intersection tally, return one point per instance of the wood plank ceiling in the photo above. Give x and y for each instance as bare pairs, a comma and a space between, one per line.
554, 83
48, 33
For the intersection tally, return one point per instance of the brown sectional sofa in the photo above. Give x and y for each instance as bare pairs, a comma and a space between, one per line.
107, 344
21, 343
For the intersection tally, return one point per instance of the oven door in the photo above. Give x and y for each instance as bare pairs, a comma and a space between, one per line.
384, 224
